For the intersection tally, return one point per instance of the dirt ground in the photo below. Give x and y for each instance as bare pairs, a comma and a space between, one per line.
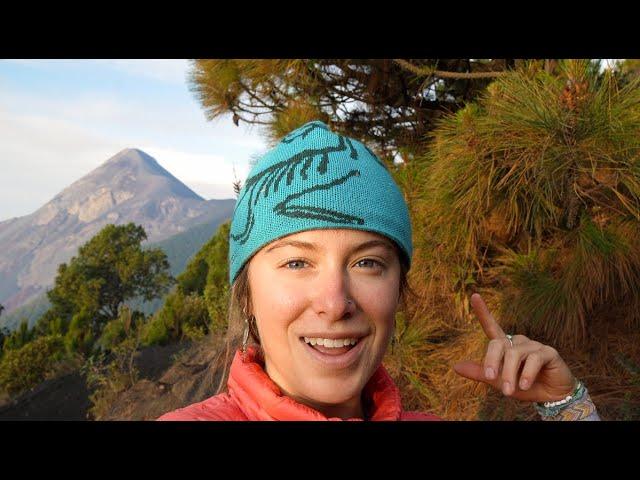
62, 398
193, 377
67, 397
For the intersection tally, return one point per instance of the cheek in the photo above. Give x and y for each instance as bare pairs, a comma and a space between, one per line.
279, 297
378, 298
277, 304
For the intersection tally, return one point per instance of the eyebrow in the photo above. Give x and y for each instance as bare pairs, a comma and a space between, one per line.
313, 247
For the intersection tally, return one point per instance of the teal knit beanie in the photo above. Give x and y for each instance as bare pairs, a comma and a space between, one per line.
314, 179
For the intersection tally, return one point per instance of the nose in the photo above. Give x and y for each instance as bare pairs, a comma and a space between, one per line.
332, 298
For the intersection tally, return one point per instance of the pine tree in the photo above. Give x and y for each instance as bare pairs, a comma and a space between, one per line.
390, 104
535, 190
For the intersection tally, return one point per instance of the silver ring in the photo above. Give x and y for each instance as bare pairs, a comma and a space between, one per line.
509, 337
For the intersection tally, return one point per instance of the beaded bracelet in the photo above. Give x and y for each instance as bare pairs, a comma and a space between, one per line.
577, 406
550, 409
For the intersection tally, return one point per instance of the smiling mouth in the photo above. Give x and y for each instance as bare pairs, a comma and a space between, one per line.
330, 346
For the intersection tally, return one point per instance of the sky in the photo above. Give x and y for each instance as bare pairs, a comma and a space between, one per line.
60, 119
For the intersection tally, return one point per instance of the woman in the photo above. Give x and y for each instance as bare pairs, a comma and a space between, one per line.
319, 250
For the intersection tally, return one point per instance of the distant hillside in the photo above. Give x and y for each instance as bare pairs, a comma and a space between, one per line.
131, 186
179, 249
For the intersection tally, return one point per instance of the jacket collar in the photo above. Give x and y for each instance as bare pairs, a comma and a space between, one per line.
260, 398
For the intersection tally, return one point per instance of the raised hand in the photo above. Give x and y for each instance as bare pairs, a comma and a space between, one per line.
528, 370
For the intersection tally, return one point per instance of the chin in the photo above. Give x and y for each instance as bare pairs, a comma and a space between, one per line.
333, 391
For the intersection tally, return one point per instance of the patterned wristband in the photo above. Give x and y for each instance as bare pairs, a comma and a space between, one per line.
581, 407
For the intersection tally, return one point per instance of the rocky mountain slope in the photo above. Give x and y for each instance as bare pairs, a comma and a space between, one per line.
131, 186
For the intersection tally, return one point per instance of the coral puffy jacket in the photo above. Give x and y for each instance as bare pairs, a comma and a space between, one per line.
252, 395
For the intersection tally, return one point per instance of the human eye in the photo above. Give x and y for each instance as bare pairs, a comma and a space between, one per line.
294, 260
377, 264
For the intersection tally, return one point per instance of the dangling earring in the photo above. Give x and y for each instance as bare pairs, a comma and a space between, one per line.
245, 337
393, 338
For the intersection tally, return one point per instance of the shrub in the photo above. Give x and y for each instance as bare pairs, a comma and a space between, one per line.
155, 332
112, 370
18, 338
216, 297
24, 368
107, 378
178, 312
119, 329
193, 332
79, 337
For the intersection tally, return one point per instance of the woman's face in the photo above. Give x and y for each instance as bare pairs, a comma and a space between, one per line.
299, 288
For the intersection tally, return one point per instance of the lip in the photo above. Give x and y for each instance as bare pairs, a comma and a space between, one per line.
333, 336
337, 362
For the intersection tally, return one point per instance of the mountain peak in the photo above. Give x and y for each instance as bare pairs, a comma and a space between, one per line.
131, 186
132, 154
133, 163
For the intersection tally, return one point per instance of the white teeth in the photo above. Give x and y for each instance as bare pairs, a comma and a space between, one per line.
328, 342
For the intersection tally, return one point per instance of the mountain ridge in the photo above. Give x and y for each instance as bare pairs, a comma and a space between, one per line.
179, 248
130, 186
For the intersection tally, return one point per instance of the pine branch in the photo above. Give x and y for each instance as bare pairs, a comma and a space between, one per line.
427, 72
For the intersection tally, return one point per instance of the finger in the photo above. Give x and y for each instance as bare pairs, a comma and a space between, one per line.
473, 371
487, 321
513, 357
493, 357
532, 366
520, 339
495, 353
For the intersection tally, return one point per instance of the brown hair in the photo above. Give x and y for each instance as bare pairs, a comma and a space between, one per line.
240, 302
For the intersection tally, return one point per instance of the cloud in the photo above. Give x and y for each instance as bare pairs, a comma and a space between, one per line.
169, 71
173, 71
83, 108
47, 142
209, 175
213, 191
41, 155
134, 120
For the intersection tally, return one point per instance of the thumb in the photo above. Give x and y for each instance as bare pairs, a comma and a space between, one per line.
470, 369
